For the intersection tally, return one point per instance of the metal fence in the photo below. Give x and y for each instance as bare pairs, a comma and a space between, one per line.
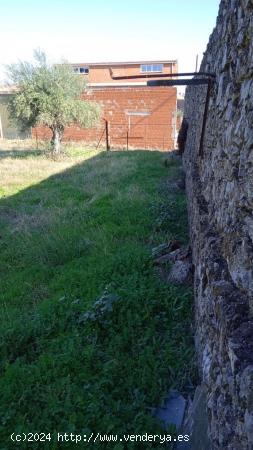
142, 136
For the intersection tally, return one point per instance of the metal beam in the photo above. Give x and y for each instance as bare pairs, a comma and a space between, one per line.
160, 75
186, 82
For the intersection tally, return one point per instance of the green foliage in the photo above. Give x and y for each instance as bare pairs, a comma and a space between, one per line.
91, 338
49, 95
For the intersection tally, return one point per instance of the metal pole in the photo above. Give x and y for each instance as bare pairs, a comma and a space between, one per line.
1, 129
107, 136
100, 139
36, 137
127, 139
208, 92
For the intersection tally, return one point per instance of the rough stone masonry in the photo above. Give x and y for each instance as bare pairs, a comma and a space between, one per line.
219, 185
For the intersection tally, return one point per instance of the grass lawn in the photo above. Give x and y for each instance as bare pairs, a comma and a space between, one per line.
91, 338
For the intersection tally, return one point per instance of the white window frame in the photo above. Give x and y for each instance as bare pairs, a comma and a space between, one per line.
151, 68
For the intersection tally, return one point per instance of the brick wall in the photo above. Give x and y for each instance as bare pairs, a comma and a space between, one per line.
155, 130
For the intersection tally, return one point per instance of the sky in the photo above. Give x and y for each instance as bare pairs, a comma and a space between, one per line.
106, 30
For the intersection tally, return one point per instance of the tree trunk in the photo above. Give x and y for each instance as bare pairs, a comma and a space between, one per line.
56, 140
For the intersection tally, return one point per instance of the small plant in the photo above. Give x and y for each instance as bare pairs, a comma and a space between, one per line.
100, 310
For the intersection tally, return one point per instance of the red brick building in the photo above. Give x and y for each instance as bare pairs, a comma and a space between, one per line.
138, 116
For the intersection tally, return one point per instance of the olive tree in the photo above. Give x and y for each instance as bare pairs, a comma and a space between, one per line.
50, 95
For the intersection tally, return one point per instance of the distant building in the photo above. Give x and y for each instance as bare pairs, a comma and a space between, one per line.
180, 102
9, 130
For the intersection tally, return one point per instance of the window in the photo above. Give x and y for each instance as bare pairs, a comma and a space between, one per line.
83, 70
150, 68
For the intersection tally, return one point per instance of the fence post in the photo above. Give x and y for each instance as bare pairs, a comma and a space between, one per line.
1, 129
36, 137
107, 136
100, 138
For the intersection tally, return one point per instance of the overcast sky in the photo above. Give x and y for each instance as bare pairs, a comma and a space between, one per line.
106, 30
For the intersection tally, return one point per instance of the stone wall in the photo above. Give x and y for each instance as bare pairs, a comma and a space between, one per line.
219, 183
